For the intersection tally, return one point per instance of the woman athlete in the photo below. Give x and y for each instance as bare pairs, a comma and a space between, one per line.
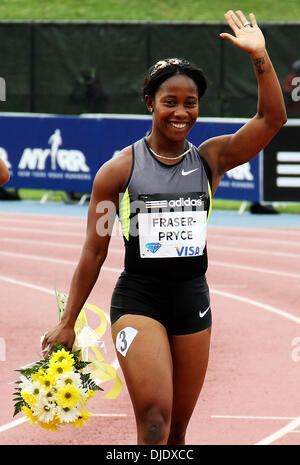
160, 309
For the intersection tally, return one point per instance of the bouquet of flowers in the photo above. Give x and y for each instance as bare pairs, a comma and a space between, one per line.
54, 391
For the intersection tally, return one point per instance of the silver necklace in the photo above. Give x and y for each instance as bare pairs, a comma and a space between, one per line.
171, 158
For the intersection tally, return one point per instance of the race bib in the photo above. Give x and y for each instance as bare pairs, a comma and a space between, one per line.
172, 225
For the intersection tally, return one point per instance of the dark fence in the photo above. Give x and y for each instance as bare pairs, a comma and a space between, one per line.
98, 67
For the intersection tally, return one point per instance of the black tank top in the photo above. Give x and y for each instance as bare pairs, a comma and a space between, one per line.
164, 213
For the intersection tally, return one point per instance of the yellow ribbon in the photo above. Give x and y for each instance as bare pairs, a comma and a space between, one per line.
86, 340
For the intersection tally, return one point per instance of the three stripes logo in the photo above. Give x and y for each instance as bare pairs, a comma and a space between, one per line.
156, 204
288, 169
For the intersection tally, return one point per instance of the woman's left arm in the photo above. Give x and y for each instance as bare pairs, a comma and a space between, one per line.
225, 152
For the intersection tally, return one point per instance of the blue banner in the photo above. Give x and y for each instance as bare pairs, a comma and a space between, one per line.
65, 153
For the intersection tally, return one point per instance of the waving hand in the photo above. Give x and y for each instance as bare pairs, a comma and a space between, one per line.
247, 35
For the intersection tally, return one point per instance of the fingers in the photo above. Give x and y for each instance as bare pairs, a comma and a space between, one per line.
46, 351
239, 21
46, 346
232, 21
243, 20
253, 19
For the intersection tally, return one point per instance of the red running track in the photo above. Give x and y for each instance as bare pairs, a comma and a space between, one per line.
251, 392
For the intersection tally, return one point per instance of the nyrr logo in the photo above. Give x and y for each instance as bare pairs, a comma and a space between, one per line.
241, 173
68, 160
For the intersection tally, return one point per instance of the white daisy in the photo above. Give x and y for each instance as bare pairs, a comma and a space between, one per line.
44, 410
25, 382
68, 415
33, 388
69, 378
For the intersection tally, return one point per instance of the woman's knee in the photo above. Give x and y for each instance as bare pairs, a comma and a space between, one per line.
154, 426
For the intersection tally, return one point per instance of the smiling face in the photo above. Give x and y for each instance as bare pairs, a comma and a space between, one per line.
175, 108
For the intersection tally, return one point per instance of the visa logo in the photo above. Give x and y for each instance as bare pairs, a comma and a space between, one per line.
188, 251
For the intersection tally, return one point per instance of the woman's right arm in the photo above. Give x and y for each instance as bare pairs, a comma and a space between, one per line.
108, 183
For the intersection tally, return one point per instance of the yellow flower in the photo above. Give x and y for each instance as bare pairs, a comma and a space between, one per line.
38, 376
60, 368
86, 396
51, 426
61, 355
91, 393
82, 419
29, 398
28, 414
48, 380
68, 396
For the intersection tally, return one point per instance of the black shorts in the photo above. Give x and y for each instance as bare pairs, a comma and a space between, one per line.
183, 307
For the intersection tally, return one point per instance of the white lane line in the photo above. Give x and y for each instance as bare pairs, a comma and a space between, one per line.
36, 288
48, 231
269, 231
254, 239
117, 270
12, 424
109, 415
232, 286
255, 269
41, 242
251, 417
20, 421
246, 300
38, 258
115, 363
252, 251
223, 248
24, 284
266, 307
116, 232
53, 260
64, 245
279, 433
38, 216
47, 223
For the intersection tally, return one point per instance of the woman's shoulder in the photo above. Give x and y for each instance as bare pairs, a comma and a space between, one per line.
116, 170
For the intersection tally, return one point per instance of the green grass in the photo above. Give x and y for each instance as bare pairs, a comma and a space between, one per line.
147, 10
218, 204
37, 194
